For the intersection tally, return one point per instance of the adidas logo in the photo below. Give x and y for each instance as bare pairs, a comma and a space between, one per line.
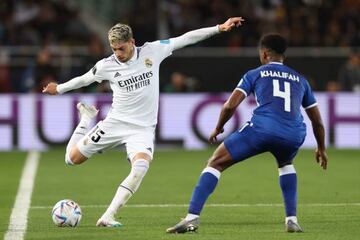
117, 74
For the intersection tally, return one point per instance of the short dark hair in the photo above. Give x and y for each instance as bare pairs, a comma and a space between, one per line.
274, 42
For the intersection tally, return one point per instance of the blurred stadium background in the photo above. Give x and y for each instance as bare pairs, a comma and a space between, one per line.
45, 41
55, 40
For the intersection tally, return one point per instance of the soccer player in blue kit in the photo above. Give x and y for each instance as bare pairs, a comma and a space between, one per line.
276, 126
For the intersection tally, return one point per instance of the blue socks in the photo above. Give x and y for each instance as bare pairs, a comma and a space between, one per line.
206, 185
288, 184
210, 177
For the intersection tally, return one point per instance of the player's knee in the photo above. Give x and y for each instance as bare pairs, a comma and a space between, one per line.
215, 163
75, 157
282, 164
140, 165
218, 167
140, 168
220, 162
68, 160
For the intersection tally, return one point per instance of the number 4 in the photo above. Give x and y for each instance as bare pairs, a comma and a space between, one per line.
285, 94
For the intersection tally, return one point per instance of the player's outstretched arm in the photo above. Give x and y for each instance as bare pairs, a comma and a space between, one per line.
319, 133
75, 83
227, 111
198, 35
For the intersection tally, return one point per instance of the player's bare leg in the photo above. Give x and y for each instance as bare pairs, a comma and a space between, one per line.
87, 114
139, 166
219, 161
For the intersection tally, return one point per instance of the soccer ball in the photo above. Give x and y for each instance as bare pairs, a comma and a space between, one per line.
66, 213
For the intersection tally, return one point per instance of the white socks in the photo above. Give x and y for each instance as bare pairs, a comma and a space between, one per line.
79, 132
191, 216
292, 218
128, 187
287, 169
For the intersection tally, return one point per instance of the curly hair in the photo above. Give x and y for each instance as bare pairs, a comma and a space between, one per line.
274, 42
120, 33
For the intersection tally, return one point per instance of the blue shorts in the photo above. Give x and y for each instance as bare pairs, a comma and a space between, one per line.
247, 142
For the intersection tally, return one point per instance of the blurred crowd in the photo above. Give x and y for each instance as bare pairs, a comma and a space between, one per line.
31, 22
349, 76
48, 24
302, 22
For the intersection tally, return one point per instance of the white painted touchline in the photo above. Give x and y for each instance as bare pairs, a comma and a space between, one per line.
18, 218
215, 205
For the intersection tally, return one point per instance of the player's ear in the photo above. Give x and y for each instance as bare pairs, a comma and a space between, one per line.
263, 55
132, 40
266, 54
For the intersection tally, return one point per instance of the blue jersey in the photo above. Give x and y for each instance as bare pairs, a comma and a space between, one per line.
280, 92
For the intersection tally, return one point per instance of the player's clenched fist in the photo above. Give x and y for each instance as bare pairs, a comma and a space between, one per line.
50, 89
213, 136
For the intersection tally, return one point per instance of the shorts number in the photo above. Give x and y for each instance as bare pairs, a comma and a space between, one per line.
285, 94
97, 135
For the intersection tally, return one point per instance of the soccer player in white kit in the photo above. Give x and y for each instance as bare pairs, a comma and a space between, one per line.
133, 73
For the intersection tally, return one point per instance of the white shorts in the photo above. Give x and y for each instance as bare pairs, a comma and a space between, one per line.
110, 133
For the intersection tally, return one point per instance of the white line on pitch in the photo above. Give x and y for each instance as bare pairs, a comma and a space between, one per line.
215, 205
18, 219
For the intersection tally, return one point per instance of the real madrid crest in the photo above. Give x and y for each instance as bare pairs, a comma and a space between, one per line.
148, 63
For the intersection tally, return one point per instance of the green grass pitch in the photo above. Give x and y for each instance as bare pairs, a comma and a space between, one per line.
326, 198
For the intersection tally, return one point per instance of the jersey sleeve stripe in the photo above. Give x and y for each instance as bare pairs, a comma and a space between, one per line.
312, 105
242, 90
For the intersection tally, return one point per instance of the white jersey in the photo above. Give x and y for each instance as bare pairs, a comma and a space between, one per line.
135, 83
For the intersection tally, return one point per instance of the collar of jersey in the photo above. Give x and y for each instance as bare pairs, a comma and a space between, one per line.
280, 63
131, 60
